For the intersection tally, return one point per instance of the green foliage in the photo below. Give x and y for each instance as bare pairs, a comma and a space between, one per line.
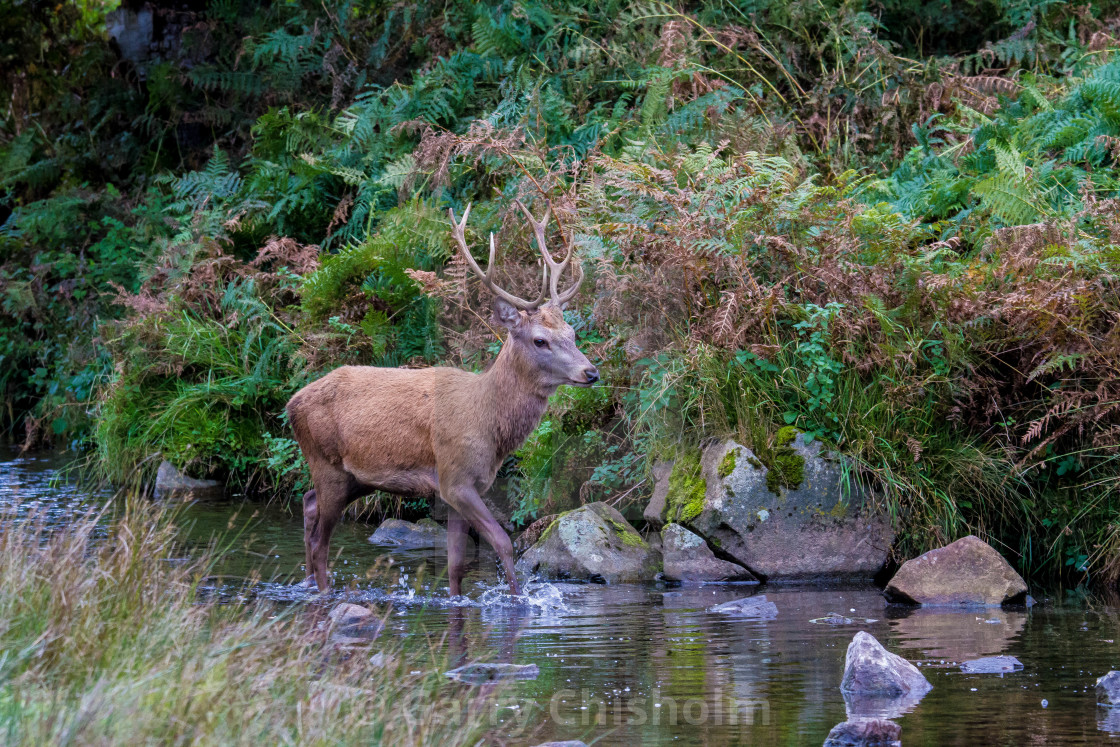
791, 214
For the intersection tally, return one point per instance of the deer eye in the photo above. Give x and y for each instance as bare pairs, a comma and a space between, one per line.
540, 342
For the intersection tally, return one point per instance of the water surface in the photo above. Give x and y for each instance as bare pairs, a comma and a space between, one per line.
649, 664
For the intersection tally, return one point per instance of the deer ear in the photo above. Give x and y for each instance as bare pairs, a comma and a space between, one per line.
505, 314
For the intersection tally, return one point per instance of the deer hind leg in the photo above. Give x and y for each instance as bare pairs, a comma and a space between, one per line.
466, 501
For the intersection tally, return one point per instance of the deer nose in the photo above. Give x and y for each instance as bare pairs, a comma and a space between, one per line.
592, 374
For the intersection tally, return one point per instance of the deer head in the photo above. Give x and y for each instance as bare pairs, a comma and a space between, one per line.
538, 334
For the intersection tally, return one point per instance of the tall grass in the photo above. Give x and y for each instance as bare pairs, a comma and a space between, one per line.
106, 639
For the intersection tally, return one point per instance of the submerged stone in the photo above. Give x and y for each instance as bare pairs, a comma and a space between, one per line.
354, 623
757, 607
865, 732
688, 558
832, 618
992, 665
171, 483
481, 673
869, 669
968, 572
593, 543
810, 522
405, 534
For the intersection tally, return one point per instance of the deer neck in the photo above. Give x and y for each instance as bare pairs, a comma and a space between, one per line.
517, 398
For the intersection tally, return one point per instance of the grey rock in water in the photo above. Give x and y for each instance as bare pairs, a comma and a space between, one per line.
171, 483
865, 732
870, 669
824, 528
405, 534
832, 618
350, 614
593, 543
687, 557
354, 623
480, 673
757, 607
992, 665
968, 572
1108, 689
654, 512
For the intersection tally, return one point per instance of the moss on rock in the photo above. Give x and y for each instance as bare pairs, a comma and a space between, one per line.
787, 467
687, 487
727, 464
626, 533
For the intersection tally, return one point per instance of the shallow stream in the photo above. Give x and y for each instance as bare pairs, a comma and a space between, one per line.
649, 664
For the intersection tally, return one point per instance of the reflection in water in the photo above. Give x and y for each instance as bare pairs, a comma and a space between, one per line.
1108, 719
648, 664
957, 636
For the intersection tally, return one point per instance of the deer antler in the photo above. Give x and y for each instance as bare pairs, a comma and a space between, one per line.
550, 280
556, 269
457, 231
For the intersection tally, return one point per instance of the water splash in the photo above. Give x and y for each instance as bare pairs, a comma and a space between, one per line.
539, 596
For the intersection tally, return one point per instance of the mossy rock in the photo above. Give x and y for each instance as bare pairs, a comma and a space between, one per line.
591, 543
801, 519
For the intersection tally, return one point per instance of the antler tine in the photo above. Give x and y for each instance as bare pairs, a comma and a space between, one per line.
458, 232
556, 269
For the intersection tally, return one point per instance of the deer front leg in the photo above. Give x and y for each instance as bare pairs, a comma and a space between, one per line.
465, 500
457, 543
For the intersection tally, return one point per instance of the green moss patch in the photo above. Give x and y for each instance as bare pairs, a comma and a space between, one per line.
727, 464
687, 487
787, 468
626, 533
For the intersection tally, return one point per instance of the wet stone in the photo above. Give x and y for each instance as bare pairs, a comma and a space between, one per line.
869, 669
992, 665
481, 673
409, 535
757, 607
1108, 689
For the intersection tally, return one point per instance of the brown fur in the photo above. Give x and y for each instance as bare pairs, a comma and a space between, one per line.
435, 430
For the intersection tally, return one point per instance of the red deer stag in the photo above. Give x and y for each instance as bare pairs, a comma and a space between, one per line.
423, 431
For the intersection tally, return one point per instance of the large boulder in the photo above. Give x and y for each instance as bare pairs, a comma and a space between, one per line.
592, 543
1108, 689
968, 572
688, 558
405, 534
800, 519
173, 484
865, 732
870, 669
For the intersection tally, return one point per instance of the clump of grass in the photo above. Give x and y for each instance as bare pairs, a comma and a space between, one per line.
107, 640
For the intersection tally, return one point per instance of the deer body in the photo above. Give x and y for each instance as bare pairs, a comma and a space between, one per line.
433, 431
